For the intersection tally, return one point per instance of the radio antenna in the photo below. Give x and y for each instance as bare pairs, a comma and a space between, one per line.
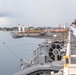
66, 21
23, 61
11, 51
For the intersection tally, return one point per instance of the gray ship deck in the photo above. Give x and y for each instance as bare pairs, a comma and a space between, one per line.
70, 69
71, 52
73, 49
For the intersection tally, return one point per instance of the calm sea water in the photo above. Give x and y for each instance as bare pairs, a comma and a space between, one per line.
23, 47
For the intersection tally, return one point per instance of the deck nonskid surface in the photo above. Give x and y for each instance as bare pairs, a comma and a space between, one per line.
73, 49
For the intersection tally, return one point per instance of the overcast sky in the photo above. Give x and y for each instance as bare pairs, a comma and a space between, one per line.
37, 12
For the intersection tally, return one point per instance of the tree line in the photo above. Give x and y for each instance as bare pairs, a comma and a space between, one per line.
8, 29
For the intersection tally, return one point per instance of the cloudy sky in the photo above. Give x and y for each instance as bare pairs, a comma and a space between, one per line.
36, 12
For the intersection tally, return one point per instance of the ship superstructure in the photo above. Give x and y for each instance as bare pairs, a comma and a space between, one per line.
49, 56
52, 57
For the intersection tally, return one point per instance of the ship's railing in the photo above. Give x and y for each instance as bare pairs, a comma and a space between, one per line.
68, 52
67, 57
65, 71
45, 31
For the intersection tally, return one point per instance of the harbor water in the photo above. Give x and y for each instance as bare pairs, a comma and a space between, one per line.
23, 47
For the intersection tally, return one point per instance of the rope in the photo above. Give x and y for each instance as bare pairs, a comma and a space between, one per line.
11, 51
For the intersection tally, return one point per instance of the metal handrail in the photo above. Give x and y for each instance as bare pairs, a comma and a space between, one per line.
68, 58
68, 52
30, 63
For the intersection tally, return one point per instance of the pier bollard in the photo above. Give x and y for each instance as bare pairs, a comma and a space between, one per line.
52, 73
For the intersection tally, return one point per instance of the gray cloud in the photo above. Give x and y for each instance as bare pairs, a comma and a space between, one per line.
38, 12
6, 14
